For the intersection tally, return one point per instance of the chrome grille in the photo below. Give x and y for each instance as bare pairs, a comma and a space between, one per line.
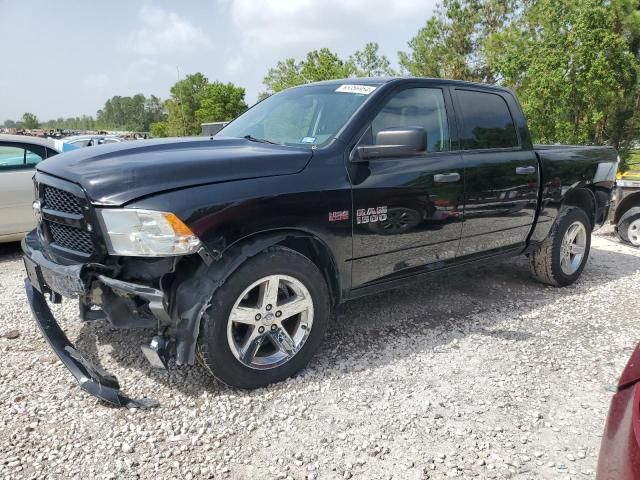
61, 201
70, 238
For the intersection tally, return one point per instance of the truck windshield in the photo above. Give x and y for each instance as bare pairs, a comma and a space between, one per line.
305, 116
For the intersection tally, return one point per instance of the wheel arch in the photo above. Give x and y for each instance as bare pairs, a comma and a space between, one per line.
305, 243
627, 203
584, 199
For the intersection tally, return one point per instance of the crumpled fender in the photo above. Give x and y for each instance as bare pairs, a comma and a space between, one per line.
195, 290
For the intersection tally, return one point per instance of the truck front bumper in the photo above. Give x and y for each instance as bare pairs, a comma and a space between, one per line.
45, 277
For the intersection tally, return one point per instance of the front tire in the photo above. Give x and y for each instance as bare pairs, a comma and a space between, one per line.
266, 321
561, 257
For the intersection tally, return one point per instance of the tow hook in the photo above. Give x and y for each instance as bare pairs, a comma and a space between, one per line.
159, 351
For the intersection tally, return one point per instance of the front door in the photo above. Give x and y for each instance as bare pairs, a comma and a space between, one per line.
407, 211
501, 178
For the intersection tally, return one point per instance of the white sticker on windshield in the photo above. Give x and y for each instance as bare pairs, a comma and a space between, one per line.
308, 140
362, 89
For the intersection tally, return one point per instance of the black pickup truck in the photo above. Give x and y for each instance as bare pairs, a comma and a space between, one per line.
235, 249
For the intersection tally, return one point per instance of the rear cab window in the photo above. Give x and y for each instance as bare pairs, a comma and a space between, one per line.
487, 122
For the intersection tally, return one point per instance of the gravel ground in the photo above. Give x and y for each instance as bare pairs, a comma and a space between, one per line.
486, 374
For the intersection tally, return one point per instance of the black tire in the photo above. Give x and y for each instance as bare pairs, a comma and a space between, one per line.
632, 216
213, 347
544, 261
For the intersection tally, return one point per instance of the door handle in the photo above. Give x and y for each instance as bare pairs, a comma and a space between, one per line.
525, 170
446, 177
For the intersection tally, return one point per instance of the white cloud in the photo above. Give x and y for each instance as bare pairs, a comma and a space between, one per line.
164, 32
278, 23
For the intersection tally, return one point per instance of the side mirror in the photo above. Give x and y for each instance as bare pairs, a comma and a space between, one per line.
394, 142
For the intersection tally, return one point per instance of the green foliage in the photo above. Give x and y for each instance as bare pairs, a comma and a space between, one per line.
369, 63
135, 113
318, 65
452, 43
324, 64
159, 129
30, 121
10, 124
194, 101
574, 69
221, 102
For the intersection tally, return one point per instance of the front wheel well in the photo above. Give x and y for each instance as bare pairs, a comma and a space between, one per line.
308, 245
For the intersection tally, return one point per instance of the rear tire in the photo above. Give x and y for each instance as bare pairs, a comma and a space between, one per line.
629, 227
250, 335
561, 257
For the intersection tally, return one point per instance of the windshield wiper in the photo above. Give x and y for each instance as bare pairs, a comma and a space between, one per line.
260, 140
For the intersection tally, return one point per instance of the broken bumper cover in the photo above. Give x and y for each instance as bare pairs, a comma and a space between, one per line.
91, 379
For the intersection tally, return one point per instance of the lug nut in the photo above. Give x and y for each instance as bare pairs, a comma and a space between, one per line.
274, 326
278, 314
258, 317
269, 307
261, 330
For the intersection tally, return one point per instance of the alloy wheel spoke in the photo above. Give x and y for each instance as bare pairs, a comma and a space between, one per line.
269, 292
577, 249
283, 341
294, 307
250, 348
244, 315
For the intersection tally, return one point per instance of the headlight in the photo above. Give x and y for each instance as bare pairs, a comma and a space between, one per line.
146, 233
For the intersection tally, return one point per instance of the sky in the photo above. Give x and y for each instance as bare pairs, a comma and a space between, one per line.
66, 58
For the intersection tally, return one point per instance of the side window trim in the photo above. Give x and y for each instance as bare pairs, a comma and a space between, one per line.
460, 121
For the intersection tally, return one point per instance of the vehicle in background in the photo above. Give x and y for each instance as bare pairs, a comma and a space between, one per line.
626, 216
19, 155
236, 248
619, 457
91, 140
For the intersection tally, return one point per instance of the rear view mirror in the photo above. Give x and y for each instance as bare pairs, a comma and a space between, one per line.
394, 142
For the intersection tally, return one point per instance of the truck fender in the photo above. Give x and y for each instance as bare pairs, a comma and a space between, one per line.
194, 290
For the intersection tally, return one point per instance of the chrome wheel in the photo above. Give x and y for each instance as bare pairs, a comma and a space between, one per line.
572, 249
633, 232
270, 322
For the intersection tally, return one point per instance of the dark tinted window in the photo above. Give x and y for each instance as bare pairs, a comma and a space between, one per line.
486, 121
417, 107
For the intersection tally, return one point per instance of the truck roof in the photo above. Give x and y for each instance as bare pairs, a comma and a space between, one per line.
385, 80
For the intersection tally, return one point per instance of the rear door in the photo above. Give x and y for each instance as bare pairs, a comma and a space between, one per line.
501, 172
407, 210
17, 165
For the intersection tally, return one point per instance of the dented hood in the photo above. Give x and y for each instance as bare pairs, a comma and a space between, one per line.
119, 173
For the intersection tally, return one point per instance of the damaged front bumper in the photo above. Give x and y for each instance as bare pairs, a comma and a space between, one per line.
48, 278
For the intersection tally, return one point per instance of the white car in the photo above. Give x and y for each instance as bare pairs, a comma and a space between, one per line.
91, 140
19, 154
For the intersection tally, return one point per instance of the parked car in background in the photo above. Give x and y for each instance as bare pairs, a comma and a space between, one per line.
91, 140
626, 217
619, 457
19, 155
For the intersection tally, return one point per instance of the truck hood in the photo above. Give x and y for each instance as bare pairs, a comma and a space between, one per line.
118, 173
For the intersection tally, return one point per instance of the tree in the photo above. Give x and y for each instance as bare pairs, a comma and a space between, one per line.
221, 102
159, 129
318, 65
194, 100
181, 107
574, 66
452, 43
369, 63
30, 121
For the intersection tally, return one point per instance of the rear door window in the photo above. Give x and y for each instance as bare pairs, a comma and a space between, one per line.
19, 156
486, 121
